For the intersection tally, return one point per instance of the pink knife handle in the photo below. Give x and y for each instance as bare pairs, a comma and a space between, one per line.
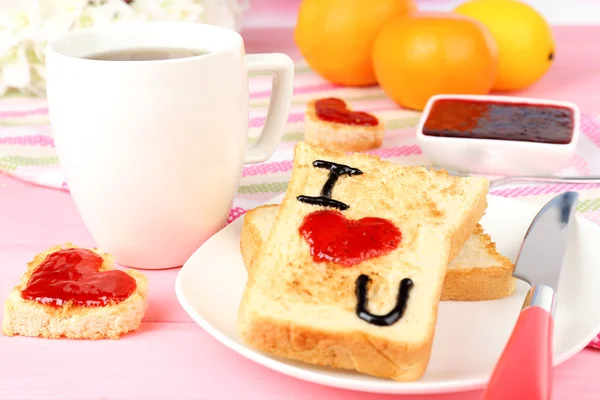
525, 367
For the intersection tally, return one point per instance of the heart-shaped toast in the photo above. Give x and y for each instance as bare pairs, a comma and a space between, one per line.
335, 110
330, 124
74, 275
73, 292
332, 237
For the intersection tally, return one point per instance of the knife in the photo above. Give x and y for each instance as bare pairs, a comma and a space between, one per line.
524, 370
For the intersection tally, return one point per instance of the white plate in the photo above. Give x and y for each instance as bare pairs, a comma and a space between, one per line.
469, 336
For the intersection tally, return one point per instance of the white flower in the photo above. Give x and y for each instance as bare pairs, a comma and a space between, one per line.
58, 16
104, 12
169, 10
26, 26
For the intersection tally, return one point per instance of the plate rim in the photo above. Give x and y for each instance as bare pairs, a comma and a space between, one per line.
383, 386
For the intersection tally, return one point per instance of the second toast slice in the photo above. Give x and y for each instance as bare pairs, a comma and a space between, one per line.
314, 297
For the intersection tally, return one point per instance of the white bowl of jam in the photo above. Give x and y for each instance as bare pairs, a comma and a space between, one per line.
499, 135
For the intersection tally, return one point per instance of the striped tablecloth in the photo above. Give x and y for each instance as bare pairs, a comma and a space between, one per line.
27, 148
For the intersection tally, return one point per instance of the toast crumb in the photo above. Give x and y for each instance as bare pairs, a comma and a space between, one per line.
30, 318
340, 137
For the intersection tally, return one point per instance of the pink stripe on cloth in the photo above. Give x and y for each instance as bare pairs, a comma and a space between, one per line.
23, 113
591, 128
258, 122
593, 215
581, 165
28, 140
235, 213
543, 189
267, 168
389, 152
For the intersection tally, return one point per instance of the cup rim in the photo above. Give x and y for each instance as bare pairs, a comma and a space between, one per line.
60, 45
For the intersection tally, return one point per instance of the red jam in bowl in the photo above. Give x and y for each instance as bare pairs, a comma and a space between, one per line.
463, 118
73, 275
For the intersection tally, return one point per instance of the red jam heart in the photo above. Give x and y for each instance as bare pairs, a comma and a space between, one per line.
335, 110
73, 275
334, 238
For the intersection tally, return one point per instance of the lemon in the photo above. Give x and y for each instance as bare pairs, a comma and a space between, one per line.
525, 43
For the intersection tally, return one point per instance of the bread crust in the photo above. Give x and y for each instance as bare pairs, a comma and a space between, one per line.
251, 238
354, 345
460, 236
30, 318
340, 137
351, 350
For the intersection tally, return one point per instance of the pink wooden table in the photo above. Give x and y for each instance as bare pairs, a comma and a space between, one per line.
171, 357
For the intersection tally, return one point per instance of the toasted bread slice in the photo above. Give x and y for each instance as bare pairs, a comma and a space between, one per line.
307, 310
478, 272
26, 317
339, 136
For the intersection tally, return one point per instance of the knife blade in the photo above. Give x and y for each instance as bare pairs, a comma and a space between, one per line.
524, 370
542, 252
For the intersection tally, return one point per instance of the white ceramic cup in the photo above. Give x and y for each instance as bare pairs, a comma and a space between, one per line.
153, 150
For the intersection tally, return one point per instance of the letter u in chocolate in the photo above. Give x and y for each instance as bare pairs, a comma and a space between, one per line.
381, 320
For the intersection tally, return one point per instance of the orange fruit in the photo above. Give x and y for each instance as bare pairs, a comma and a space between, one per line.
336, 36
420, 55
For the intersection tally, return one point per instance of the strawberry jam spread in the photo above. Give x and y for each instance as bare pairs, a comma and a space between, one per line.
335, 110
334, 238
73, 275
462, 118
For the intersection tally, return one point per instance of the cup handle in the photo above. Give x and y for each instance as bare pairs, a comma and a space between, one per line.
282, 68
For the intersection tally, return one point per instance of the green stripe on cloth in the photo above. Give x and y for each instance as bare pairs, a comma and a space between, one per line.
25, 122
402, 123
588, 205
12, 162
302, 69
264, 188
6, 166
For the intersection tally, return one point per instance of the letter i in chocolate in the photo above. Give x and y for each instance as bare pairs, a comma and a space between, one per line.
335, 171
